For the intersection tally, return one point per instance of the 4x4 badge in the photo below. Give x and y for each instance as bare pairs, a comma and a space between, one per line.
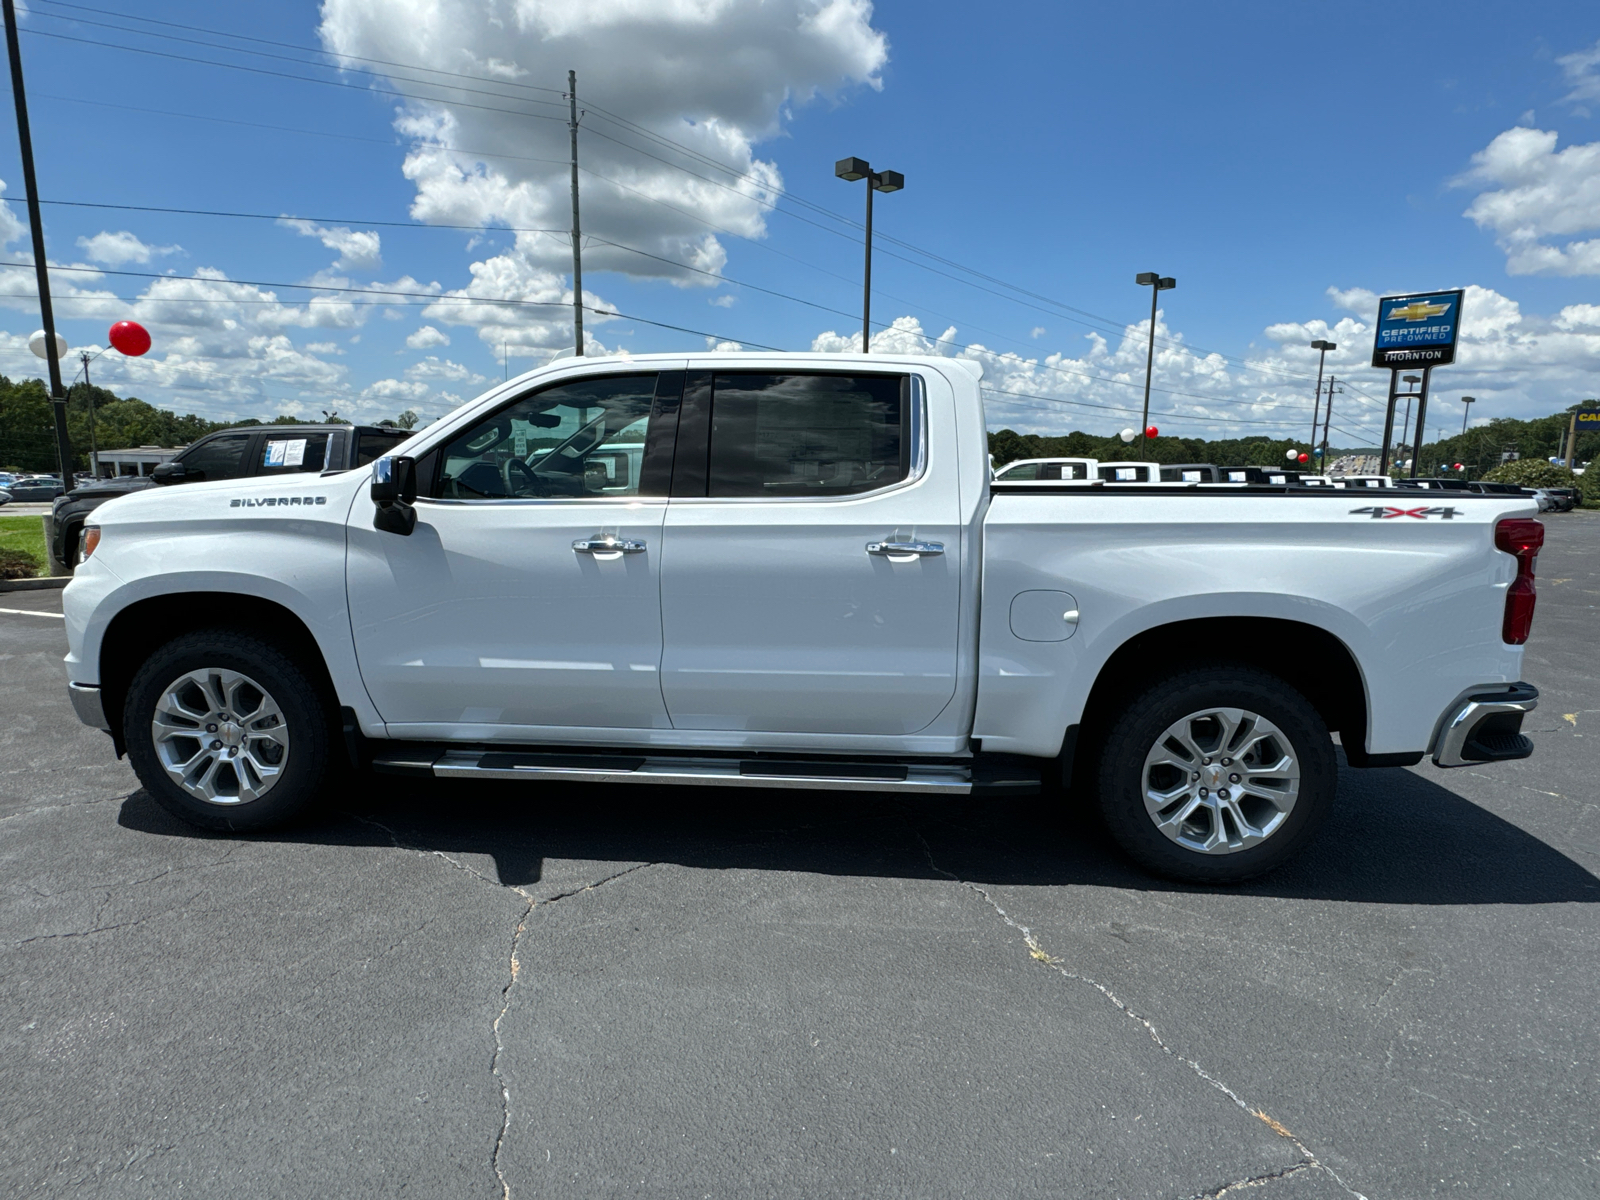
1384, 512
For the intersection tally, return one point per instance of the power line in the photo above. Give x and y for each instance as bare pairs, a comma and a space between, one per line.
244, 37
211, 62
761, 185
372, 291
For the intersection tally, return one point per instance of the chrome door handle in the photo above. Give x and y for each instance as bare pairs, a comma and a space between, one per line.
918, 548
608, 545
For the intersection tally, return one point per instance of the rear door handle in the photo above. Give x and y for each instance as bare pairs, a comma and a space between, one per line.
915, 548
608, 545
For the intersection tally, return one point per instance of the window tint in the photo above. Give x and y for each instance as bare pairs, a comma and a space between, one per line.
1026, 471
220, 457
807, 435
585, 438
372, 446
289, 454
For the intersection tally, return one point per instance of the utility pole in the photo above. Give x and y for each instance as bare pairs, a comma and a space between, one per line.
1327, 420
1572, 432
1322, 346
41, 266
88, 395
577, 234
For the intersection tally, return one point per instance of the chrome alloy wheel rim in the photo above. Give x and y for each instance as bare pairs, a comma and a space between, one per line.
1220, 780
220, 736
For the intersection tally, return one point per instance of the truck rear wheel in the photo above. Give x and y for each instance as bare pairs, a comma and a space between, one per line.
1216, 775
226, 732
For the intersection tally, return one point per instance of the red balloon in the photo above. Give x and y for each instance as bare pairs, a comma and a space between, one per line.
130, 337
1151, 431
1305, 458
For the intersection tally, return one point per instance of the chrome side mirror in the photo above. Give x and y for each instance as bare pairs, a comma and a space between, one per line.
394, 490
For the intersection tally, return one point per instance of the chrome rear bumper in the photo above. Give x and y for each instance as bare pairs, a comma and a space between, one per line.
86, 703
1486, 727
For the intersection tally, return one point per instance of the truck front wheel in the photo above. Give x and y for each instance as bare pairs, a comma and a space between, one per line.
226, 732
1216, 775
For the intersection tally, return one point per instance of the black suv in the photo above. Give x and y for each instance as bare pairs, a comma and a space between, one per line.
227, 454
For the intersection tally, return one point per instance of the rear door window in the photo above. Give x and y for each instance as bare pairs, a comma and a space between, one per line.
219, 457
807, 435
292, 453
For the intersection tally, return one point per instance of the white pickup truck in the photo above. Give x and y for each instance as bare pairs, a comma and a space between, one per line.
794, 571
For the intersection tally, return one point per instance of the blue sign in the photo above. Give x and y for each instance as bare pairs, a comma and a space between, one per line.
1417, 331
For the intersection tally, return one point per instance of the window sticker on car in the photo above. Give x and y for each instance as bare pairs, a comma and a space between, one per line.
291, 453
1127, 473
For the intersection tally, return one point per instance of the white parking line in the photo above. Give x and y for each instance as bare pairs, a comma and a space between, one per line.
28, 612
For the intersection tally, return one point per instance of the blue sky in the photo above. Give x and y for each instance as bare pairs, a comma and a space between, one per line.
1285, 164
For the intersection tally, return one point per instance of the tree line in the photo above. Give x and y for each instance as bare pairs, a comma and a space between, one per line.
1480, 448
27, 425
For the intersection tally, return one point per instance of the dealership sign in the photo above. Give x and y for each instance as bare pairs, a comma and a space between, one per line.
1417, 331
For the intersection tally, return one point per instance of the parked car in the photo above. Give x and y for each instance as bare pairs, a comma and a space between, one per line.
250, 451
1049, 468
810, 582
1568, 498
33, 487
1259, 475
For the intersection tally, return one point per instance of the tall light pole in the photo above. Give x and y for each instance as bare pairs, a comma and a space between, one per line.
1466, 403
1157, 284
850, 170
1322, 347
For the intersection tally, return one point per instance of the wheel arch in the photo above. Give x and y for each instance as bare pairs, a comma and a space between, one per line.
144, 626
1310, 659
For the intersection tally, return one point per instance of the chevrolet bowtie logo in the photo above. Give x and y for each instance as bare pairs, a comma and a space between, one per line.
1417, 310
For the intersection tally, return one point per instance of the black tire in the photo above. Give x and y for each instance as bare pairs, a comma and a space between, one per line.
1120, 773
305, 717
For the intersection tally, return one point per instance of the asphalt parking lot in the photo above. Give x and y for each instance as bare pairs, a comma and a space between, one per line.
436, 991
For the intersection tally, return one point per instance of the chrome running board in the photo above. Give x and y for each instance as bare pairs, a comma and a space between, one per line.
945, 779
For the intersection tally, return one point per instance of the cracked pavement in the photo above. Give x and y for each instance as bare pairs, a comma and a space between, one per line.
501, 992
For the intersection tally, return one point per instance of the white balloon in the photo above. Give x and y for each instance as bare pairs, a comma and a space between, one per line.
37, 344
1291, 455
1128, 435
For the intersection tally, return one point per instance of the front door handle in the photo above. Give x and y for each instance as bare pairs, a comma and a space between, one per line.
912, 548
608, 545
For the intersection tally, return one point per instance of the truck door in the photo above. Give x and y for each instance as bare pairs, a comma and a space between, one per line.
810, 578
528, 594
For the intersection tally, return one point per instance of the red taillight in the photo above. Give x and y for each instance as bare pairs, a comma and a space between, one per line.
1522, 538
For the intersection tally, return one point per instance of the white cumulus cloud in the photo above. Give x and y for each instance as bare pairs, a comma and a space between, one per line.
117, 249
718, 76
359, 250
427, 338
1539, 201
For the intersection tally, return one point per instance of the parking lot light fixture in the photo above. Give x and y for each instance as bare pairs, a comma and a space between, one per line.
850, 170
1157, 283
1466, 407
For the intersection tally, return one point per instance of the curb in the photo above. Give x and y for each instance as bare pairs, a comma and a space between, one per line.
35, 585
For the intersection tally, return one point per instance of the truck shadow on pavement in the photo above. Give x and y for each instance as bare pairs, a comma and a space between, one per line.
1394, 837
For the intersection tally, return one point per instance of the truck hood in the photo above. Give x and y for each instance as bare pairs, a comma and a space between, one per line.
289, 494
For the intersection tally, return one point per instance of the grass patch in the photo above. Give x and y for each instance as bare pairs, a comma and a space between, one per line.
25, 534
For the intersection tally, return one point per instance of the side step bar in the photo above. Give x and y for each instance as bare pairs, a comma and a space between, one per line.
945, 779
